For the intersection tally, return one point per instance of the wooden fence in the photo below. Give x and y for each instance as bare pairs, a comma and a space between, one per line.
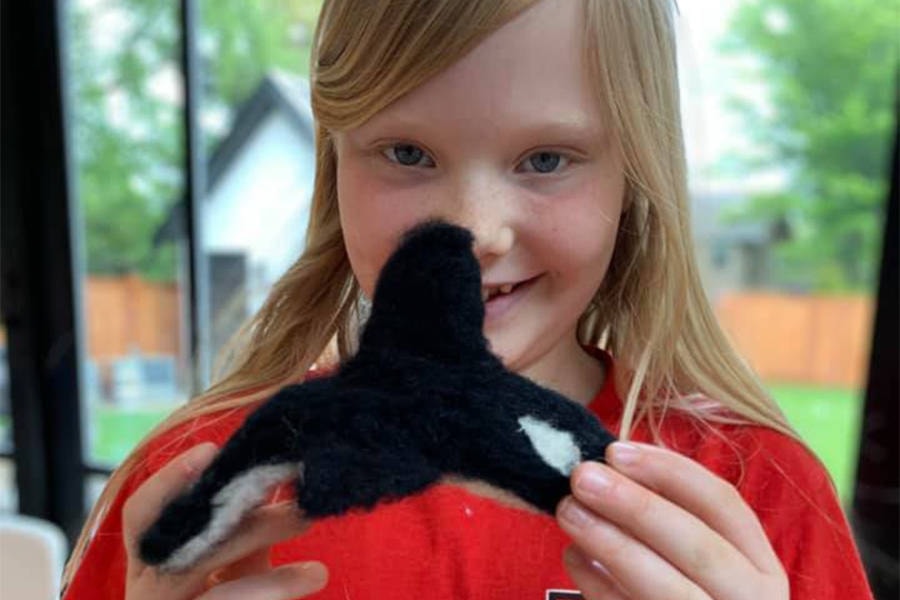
820, 340
126, 314
790, 338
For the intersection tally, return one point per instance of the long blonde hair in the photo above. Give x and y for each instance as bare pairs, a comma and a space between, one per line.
650, 312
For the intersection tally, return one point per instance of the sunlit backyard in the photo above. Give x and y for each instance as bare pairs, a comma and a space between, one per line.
828, 420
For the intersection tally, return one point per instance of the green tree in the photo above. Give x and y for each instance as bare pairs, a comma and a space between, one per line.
127, 132
830, 69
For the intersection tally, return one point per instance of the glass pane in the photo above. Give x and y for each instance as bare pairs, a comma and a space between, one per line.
258, 140
788, 131
126, 118
9, 495
93, 487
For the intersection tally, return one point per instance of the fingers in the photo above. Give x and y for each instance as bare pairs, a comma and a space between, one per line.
242, 557
592, 578
659, 521
672, 532
691, 486
641, 572
283, 583
145, 504
261, 529
255, 562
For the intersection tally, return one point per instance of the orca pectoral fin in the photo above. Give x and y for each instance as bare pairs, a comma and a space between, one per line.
192, 526
265, 451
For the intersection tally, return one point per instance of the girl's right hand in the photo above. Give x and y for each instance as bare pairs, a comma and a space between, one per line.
239, 569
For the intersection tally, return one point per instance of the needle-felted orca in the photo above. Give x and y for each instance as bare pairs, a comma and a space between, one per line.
423, 398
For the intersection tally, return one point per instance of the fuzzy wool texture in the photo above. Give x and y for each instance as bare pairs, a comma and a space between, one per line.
423, 398
557, 448
231, 503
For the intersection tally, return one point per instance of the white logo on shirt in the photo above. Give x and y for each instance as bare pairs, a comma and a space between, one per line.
563, 595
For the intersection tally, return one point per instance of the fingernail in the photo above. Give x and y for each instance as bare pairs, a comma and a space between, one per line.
314, 573
576, 559
199, 457
303, 578
599, 567
215, 578
625, 454
576, 516
593, 480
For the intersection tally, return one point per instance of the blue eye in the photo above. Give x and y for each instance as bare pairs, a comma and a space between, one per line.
545, 162
408, 155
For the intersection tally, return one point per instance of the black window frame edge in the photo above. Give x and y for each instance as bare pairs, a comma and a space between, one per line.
876, 495
40, 283
39, 274
195, 184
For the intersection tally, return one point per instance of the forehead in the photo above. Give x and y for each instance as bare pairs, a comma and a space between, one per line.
529, 71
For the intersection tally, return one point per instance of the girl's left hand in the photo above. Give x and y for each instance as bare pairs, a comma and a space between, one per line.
655, 524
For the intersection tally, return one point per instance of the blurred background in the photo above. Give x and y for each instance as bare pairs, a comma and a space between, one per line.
168, 185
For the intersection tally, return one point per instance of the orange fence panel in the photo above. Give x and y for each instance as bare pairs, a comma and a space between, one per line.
127, 314
820, 340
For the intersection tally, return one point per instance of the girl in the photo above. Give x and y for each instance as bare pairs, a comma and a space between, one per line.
551, 130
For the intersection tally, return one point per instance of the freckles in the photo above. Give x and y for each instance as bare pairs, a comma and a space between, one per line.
373, 220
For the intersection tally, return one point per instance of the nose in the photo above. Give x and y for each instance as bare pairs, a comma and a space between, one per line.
485, 206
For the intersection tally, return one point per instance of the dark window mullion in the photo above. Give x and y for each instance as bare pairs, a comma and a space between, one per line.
39, 274
194, 192
874, 511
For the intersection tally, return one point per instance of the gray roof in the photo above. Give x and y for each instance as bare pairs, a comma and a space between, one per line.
708, 223
278, 91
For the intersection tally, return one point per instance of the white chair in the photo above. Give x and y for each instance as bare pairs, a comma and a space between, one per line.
32, 556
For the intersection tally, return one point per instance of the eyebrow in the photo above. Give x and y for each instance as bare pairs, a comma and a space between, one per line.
564, 128
575, 128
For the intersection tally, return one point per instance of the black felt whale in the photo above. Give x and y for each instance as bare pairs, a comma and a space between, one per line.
423, 398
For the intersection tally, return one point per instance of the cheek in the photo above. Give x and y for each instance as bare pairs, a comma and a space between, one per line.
373, 218
583, 224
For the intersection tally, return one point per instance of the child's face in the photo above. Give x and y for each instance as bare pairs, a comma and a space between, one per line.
509, 143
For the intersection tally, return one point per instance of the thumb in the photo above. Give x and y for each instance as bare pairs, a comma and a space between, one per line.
146, 503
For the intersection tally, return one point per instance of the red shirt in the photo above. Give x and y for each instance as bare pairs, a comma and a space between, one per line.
449, 543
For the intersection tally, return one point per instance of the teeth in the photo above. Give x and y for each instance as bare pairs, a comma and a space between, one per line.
489, 292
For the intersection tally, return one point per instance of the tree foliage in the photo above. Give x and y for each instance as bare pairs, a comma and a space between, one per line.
127, 110
830, 68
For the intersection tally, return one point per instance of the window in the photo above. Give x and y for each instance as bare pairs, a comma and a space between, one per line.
151, 341
788, 142
127, 144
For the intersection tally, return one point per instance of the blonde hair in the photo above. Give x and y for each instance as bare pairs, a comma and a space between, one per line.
650, 312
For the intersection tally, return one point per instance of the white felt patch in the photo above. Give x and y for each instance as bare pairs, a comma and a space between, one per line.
556, 447
230, 504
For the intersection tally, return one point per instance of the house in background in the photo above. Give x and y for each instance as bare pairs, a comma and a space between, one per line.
256, 207
731, 256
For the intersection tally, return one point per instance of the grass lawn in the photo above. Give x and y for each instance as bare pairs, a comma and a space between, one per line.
115, 431
828, 420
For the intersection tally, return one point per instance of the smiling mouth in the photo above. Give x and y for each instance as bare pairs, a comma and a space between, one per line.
490, 293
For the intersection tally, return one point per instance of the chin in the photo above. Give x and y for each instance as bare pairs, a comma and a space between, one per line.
508, 351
